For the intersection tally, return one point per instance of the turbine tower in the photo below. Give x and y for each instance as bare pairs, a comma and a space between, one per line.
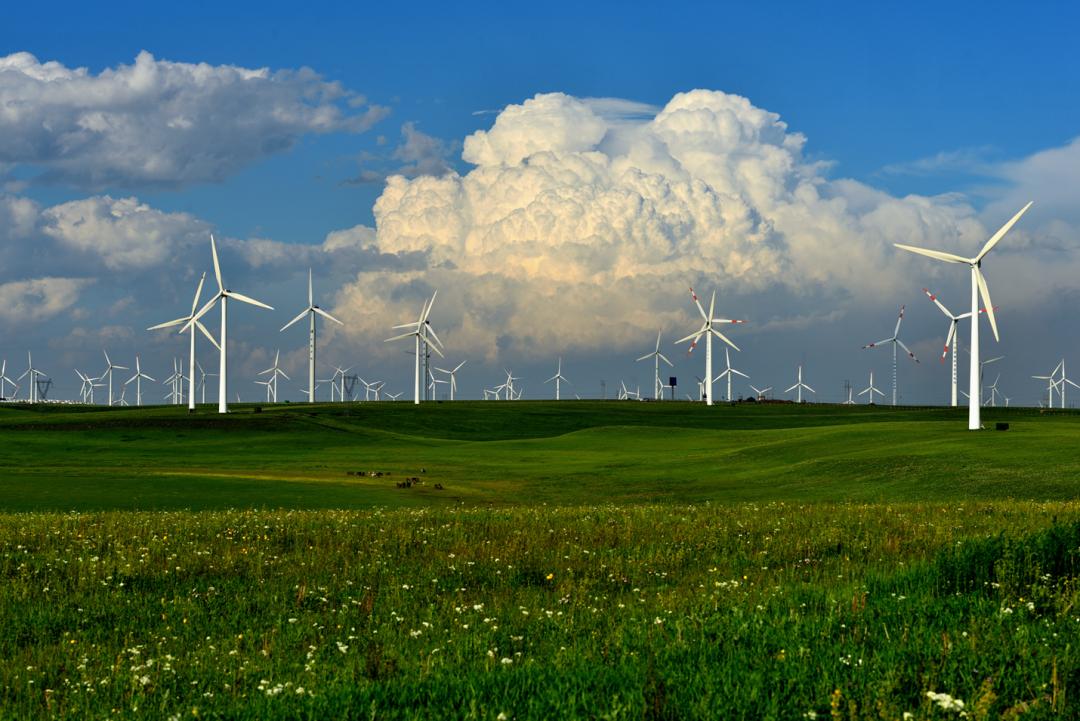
223, 296
311, 311
33, 372
657, 356
558, 378
419, 332
978, 287
895, 340
191, 348
708, 331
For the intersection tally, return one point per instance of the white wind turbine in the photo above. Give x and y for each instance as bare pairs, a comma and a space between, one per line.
203, 375
994, 391
4, 380
394, 396
311, 311
109, 368
86, 390
760, 392
895, 340
453, 377
139, 375
1062, 381
871, 390
191, 327
223, 295
419, 332
275, 371
951, 337
657, 356
728, 372
1051, 385
433, 383
849, 401
33, 372
559, 378
798, 387
978, 287
708, 331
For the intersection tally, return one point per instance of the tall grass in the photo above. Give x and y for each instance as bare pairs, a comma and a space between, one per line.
750, 611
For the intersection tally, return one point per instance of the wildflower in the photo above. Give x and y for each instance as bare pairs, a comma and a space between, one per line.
658, 621
342, 647
502, 716
506, 661
945, 701
550, 576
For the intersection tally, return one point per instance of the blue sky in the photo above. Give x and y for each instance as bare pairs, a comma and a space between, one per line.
918, 99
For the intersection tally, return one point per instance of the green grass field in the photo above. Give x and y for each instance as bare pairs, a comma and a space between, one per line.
581, 560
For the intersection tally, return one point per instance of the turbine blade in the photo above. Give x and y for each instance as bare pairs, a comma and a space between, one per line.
326, 315
171, 323
217, 266
948, 340
899, 320
198, 294
724, 338
1001, 232
907, 350
936, 254
296, 319
938, 303
310, 293
244, 299
202, 328
698, 304
399, 337
664, 358
985, 293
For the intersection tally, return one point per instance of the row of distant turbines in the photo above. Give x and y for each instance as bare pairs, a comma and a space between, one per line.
426, 342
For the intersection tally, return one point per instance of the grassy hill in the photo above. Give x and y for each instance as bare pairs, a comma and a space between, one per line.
299, 456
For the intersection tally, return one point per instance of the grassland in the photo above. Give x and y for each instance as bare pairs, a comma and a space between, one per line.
584, 560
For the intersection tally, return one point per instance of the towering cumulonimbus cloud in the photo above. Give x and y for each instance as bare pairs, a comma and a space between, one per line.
584, 219
161, 123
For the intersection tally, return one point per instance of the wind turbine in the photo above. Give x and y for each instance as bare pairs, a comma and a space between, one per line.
275, 371
311, 311
419, 332
86, 390
951, 337
708, 331
978, 287
1051, 385
994, 391
191, 346
139, 375
657, 356
895, 340
393, 396
33, 373
223, 296
1062, 381
871, 390
432, 383
109, 368
203, 375
4, 380
761, 392
849, 401
798, 387
453, 377
558, 378
123, 401
729, 371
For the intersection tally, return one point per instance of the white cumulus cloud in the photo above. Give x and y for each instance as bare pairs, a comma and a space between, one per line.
583, 221
161, 123
38, 299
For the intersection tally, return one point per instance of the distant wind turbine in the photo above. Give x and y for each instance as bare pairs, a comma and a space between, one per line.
951, 337
419, 331
871, 390
109, 368
729, 372
311, 311
139, 375
4, 380
798, 387
708, 331
895, 340
453, 377
657, 356
559, 378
